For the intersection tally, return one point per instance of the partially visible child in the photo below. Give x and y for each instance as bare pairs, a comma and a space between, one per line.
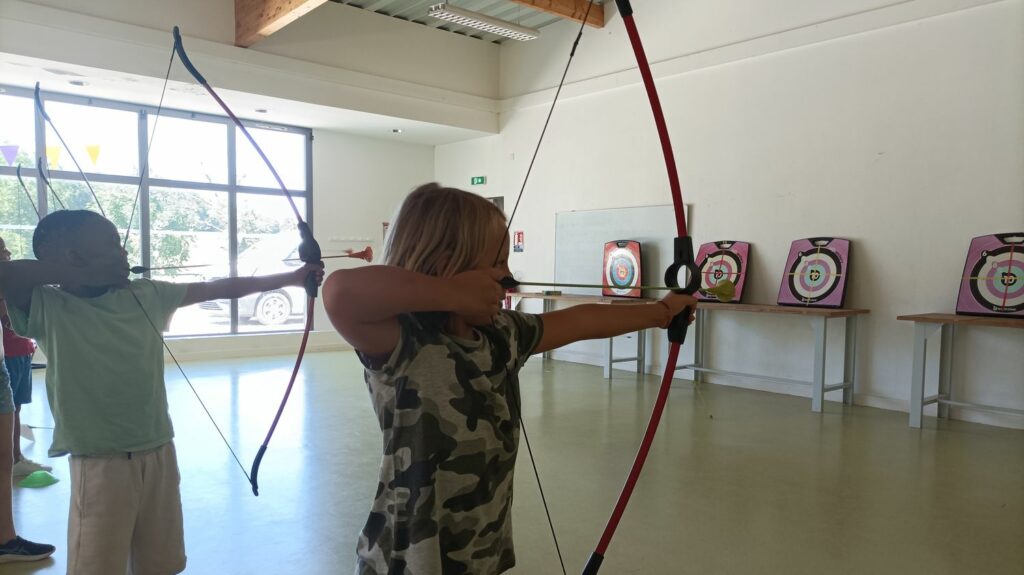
105, 385
12, 547
442, 365
18, 359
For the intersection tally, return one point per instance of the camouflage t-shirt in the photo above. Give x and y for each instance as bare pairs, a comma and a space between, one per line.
448, 409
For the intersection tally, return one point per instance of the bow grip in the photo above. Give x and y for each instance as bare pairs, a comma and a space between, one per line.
625, 8
309, 252
682, 258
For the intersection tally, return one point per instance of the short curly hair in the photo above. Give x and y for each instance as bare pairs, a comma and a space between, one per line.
55, 229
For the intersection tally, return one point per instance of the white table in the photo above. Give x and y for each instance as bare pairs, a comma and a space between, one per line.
549, 301
818, 319
925, 326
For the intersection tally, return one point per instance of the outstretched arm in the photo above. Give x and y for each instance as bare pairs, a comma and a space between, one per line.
596, 321
233, 288
364, 303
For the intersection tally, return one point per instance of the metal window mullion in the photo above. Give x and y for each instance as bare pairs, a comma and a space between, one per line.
145, 242
232, 220
41, 196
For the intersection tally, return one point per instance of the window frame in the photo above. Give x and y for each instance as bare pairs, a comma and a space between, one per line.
145, 183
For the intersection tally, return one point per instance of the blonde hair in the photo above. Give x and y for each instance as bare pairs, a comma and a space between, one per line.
440, 231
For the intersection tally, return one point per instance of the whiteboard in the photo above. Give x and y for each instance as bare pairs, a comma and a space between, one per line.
580, 237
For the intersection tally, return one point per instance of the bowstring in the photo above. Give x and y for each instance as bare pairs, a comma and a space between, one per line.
28, 194
497, 258
46, 182
188, 381
149, 146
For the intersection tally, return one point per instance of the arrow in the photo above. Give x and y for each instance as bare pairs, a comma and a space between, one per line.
144, 269
724, 291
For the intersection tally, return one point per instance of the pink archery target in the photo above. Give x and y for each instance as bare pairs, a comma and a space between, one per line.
816, 273
993, 278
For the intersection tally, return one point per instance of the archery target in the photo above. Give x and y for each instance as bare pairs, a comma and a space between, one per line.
722, 261
815, 273
622, 268
993, 282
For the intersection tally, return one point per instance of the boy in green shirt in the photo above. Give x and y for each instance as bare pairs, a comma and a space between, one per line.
106, 388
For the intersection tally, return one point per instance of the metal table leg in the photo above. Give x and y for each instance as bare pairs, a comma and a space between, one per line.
547, 308
609, 358
946, 366
641, 352
818, 381
850, 360
921, 332
700, 333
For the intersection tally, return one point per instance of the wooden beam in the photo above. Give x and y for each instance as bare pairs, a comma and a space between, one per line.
257, 19
568, 9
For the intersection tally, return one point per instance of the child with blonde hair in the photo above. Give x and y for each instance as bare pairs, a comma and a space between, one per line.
441, 361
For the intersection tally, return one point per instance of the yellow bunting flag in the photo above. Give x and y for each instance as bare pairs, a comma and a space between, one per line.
53, 156
94, 152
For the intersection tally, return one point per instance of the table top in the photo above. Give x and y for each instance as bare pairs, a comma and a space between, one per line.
782, 309
1011, 322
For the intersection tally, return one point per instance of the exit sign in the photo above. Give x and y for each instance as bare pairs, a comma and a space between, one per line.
478, 180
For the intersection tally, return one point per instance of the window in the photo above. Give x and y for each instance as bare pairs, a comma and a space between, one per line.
201, 206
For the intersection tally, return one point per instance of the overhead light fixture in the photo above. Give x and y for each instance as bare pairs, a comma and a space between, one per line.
471, 19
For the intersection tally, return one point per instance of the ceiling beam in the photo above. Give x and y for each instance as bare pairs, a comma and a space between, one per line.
257, 19
568, 9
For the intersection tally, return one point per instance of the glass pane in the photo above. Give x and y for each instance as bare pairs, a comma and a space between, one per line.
286, 150
190, 228
188, 150
117, 200
103, 141
17, 218
17, 131
267, 244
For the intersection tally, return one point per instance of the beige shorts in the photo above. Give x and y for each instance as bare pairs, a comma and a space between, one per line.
126, 514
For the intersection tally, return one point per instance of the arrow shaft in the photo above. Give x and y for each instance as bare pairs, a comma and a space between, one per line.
595, 286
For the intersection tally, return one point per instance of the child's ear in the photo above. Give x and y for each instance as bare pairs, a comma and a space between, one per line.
72, 257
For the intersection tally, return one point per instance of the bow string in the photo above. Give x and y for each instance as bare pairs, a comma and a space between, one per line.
682, 260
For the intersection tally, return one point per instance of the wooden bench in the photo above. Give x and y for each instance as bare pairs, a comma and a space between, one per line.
818, 318
925, 326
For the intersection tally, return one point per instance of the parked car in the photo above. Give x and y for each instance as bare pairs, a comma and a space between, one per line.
271, 255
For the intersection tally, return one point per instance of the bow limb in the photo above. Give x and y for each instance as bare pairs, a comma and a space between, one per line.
42, 111
309, 251
683, 259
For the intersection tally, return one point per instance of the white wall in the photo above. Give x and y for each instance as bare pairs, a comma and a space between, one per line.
900, 128
358, 183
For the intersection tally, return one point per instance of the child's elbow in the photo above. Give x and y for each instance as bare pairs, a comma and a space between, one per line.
338, 287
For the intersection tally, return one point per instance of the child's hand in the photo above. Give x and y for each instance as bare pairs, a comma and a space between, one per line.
676, 303
299, 275
477, 294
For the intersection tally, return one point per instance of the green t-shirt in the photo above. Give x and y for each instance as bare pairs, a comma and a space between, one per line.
105, 372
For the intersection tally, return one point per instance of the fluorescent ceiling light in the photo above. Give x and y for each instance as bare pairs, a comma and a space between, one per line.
471, 19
